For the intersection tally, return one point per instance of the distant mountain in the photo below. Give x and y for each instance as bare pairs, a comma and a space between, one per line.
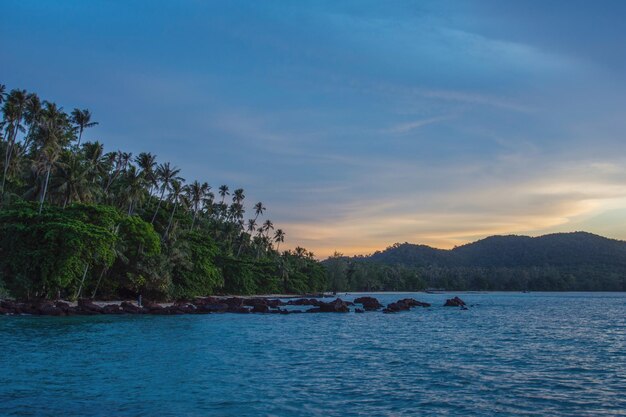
576, 261
559, 249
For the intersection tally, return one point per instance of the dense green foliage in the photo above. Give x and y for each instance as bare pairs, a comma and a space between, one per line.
558, 262
77, 221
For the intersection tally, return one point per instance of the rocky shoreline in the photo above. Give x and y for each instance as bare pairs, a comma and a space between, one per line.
213, 305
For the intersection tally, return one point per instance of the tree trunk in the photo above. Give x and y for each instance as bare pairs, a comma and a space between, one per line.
158, 205
45, 189
80, 135
169, 224
195, 213
82, 281
93, 295
7, 157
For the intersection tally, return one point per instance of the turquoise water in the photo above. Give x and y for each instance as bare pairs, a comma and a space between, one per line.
512, 354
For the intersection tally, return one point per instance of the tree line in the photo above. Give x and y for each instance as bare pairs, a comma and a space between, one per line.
78, 221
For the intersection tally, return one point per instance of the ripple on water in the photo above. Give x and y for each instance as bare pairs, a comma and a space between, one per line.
510, 354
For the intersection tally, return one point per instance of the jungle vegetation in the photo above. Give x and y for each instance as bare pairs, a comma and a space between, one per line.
77, 220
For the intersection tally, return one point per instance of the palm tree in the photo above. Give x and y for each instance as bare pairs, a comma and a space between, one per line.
82, 120
197, 193
72, 181
93, 153
3, 92
13, 113
238, 196
32, 117
223, 191
134, 188
147, 162
52, 133
258, 210
279, 237
48, 159
120, 161
177, 196
165, 174
267, 226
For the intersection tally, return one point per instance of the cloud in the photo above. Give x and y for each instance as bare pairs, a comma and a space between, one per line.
415, 124
545, 201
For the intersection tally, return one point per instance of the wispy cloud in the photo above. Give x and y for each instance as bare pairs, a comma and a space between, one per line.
412, 125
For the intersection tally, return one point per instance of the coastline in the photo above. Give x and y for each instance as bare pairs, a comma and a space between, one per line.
210, 305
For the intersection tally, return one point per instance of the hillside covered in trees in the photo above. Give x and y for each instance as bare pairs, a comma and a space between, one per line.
557, 262
78, 221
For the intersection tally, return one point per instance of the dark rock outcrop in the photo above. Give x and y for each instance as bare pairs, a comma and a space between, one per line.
454, 302
337, 306
130, 308
112, 309
369, 303
404, 305
305, 302
87, 307
260, 308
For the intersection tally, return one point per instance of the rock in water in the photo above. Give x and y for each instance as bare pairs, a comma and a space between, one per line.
337, 306
454, 302
369, 303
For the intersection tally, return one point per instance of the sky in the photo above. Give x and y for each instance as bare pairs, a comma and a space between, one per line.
357, 123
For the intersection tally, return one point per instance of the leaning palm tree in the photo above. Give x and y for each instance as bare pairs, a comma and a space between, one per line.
259, 208
47, 162
176, 197
82, 120
165, 174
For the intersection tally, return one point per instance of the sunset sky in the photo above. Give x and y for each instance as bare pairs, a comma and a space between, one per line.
357, 123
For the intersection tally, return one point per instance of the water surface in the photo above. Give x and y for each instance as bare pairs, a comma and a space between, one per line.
537, 354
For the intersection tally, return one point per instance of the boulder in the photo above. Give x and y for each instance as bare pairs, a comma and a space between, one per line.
359, 310
214, 308
234, 302
130, 308
454, 302
404, 305
413, 303
369, 303
10, 306
275, 303
49, 309
305, 302
112, 309
337, 306
87, 307
238, 310
260, 308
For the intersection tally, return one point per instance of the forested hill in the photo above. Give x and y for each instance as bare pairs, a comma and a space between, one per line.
559, 249
576, 261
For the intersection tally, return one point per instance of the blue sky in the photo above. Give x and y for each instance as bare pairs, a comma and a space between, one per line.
358, 123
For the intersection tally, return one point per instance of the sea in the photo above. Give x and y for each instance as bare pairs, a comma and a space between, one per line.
508, 354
